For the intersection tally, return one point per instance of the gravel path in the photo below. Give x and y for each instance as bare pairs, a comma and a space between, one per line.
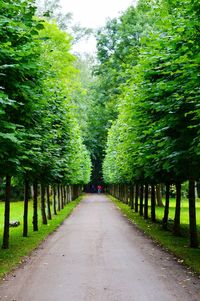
98, 255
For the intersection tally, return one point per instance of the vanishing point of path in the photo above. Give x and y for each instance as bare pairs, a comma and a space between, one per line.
97, 255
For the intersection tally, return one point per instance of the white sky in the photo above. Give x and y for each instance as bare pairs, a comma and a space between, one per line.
93, 14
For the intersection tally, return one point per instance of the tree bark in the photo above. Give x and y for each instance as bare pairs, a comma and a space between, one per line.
35, 206
43, 212
125, 193
64, 189
141, 199
121, 193
54, 200
72, 192
25, 219
5, 244
166, 212
67, 194
198, 188
153, 204
62, 196
146, 201
131, 195
59, 197
176, 227
192, 215
159, 195
48, 204
136, 197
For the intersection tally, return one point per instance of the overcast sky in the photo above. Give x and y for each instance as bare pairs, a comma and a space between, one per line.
93, 14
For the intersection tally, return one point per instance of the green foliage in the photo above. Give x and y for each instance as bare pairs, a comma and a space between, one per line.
156, 136
18, 77
38, 132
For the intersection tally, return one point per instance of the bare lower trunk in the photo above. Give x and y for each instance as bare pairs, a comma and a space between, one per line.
146, 201
43, 212
166, 212
48, 204
159, 195
59, 207
35, 206
25, 219
141, 199
192, 215
177, 228
131, 195
136, 197
64, 190
62, 196
5, 244
54, 200
153, 204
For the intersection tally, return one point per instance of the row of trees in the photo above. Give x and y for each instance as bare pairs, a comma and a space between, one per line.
40, 138
149, 72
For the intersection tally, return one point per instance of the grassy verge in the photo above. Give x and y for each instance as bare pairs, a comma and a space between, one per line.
22, 246
179, 246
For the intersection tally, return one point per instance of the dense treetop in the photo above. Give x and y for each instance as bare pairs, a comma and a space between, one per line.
155, 136
39, 133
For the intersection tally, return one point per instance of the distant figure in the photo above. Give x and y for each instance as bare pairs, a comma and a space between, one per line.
93, 189
99, 188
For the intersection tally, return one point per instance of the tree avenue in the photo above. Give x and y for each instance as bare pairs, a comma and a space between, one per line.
135, 118
41, 140
151, 65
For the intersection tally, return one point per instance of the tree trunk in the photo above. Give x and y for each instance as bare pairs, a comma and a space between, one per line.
59, 198
5, 244
48, 204
166, 212
64, 189
141, 199
146, 201
131, 195
159, 195
43, 212
176, 227
136, 197
35, 206
25, 219
198, 188
67, 193
118, 191
62, 196
192, 215
153, 204
121, 193
71, 193
54, 200
125, 193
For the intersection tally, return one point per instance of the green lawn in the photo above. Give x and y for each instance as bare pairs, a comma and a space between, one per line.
22, 246
184, 211
179, 246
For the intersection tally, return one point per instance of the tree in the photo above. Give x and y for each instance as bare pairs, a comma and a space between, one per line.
18, 62
154, 139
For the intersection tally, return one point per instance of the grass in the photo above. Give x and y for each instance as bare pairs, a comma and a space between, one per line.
179, 246
20, 247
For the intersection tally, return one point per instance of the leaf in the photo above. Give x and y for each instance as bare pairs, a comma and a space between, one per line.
10, 137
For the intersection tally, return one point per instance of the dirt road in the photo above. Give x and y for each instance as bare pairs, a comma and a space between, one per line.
97, 255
